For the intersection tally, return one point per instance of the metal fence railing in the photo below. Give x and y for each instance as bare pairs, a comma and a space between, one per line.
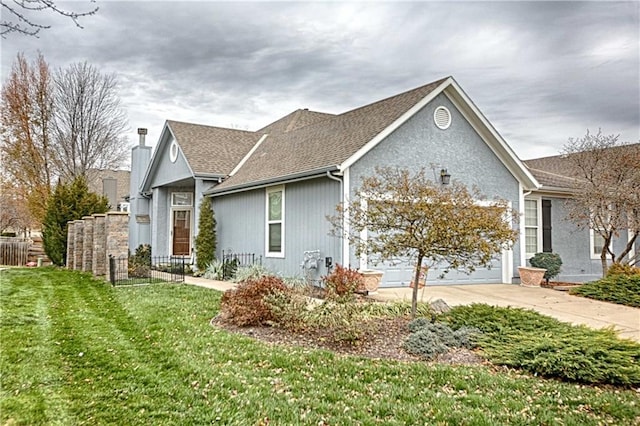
158, 269
232, 261
14, 251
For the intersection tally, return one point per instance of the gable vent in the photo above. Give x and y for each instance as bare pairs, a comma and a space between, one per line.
442, 117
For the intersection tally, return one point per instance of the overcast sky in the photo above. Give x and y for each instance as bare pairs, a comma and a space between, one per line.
541, 72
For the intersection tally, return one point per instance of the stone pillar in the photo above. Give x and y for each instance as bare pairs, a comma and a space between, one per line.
87, 241
70, 244
78, 234
117, 232
99, 245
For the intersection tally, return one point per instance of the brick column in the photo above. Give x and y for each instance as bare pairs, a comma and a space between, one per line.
99, 245
87, 241
78, 234
117, 232
70, 244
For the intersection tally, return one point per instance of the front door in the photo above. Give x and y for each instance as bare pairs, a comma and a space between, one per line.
181, 232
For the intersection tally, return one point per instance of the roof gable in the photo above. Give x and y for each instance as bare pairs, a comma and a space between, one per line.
324, 144
336, 142
207, 151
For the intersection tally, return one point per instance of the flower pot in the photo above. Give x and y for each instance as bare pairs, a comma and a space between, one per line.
371, 279
531, 277
422, 278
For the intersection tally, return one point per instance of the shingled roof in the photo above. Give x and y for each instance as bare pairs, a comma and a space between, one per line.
555, 171
212, 150
323, 142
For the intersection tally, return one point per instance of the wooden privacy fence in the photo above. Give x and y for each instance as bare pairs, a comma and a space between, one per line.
14, 251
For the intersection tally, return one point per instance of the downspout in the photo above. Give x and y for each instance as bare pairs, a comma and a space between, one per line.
332, 177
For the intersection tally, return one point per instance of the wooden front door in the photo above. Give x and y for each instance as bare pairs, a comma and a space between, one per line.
181, 232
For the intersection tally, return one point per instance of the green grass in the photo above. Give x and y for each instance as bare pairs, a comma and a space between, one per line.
620, 289
77, 351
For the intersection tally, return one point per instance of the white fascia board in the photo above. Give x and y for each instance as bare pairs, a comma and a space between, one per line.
249, 154
490, 135
162, 141
393, 126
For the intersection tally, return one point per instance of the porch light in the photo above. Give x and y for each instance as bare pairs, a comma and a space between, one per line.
445, 177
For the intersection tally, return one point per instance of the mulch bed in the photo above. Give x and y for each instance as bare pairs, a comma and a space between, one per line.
381, 339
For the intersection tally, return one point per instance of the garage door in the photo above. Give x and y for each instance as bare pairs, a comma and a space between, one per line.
400, 274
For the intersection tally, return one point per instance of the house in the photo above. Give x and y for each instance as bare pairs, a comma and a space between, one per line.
113, 184
548, 229
273, 188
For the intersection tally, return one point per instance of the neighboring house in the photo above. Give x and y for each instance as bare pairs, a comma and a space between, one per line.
113, 184
272, 189
547, 228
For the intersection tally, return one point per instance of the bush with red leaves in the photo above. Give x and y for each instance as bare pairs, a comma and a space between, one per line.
246, 306
342, 283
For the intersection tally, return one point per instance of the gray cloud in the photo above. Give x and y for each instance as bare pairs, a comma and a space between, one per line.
540, 71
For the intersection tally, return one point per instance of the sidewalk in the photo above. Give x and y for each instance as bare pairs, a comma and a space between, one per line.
556, 304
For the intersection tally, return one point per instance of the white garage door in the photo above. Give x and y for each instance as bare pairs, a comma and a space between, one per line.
400, 274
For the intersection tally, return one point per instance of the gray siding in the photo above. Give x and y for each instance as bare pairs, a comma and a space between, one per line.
166, 172
573, 245
418, 143
241, 224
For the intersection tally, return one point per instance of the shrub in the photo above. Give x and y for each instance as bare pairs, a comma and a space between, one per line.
345, 321
229, 268
289, 309
342, 283
246, 305
70, 201
620, 289
140, 262
425, 343
545, 346
622, 269
205, 243
549, 261
428, 339
214, 271
251, 272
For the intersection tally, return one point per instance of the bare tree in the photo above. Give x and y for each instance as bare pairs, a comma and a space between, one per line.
25, 125
607, 191
89, 121
407, 216
18, 16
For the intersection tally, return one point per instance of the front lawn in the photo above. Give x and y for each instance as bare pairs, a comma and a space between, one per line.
77, 351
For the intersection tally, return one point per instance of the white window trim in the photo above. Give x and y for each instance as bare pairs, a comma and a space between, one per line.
594, 256
280, 254
538, 200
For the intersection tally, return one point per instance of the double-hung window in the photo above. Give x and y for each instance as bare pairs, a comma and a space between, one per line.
532, 229
275, 221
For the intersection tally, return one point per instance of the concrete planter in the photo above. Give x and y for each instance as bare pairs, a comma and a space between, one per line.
531, 277
371, 279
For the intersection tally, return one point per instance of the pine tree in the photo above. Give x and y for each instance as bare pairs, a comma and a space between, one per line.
70, 201
206, 239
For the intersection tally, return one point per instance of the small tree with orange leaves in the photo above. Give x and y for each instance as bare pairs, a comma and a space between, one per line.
399, 214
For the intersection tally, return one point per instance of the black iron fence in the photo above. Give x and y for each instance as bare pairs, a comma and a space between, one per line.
159, 269
232, 261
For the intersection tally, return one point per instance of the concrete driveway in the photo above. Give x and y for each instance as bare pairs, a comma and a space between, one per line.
554, 303
557, 304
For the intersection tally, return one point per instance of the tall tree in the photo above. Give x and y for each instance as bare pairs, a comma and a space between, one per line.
607, 195
397, 214
19, 16
70, 201
25, 124
89, 121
